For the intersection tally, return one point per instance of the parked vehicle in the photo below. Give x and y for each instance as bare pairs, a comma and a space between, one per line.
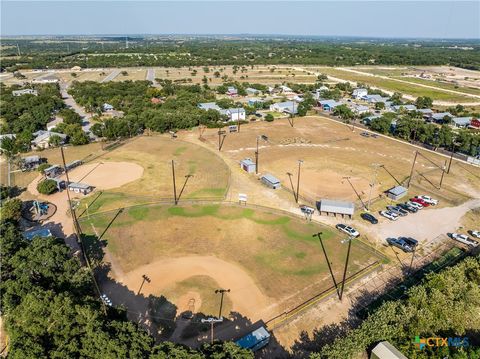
347, 229
307, 209
407, 207
369, 217
365, 134
399, 243
419, 200
463, 238
390, 215
412, 242
428, 199
475, 234
414, 204
397, 210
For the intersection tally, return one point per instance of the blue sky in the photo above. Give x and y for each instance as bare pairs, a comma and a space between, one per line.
426, 19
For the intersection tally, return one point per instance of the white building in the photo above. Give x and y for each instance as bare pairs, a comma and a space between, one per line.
42, 138
209, 106
359, 93
25, 92
234, 114
285, 107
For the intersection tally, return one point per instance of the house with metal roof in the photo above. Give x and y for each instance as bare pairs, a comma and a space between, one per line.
232, 91
107, 107
290, 107
234, 114
462, 122
404, 107
385, 350
270, 181
42, 138
374, 98
209, 106
328, 206
252, 92
30, 162
358, 93
439, 116
25, 92
359, 109
328, 105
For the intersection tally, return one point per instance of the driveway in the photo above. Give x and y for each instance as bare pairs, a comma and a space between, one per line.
70, 102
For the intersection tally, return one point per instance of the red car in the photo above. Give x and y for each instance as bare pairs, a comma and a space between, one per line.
420, 201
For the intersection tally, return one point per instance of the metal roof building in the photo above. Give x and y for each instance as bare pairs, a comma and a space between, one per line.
397, 192
328, 206
247, 165
385, 350
270, 181
80, 187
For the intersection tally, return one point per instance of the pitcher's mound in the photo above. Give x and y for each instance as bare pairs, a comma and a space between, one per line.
106, 175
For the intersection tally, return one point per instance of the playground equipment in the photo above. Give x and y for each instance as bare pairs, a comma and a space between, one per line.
40, 208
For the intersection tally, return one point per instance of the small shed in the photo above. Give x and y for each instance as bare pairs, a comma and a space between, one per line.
78, 187
30, 162
270, 181
53, 171
397, 192
61, 184
385, 350
42, 232
328, 206
248, 165
73, 164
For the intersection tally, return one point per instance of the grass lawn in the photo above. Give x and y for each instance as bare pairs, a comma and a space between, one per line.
442, 85
278, 251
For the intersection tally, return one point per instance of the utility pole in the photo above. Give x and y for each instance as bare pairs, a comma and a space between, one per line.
346, 265
411, 172
443, 173
174, 183
293, 188
72, 210
298, 179
221, 138
375, 171
212, 321
145, 279
222, 292
454, 144
256, 159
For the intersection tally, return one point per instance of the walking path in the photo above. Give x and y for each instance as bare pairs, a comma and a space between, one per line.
111, 75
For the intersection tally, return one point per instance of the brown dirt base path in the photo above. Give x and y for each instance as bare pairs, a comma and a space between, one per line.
245, 295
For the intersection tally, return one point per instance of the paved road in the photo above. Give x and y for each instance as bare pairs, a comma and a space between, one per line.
70, 102
111, 76
151, 77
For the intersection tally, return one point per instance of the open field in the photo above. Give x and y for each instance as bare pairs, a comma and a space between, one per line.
331, 152
273, 258
393, 85
442, 85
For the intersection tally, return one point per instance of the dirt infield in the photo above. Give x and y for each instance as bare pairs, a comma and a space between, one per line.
245, 294
106, 175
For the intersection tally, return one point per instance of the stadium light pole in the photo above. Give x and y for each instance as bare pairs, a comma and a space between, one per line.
212, 321
411, 172
174, 183
221, 138
256, 158
222, 292
375, 172
454, 144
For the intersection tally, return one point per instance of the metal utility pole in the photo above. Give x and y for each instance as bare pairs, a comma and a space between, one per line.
346, 265
183, 187
319, 235
222, 292
256, 159
354, 190
145, 279
375, 172
298, 179
212, 321
411, 172
293, 188
174, 183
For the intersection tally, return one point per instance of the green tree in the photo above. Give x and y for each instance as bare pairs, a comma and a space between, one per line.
47, 186
423, 102
10, 210
379, 105
269, 117
344, 112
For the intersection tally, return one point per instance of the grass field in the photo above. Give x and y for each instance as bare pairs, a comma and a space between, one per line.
392, 85
331, 152
442, 85
277, 251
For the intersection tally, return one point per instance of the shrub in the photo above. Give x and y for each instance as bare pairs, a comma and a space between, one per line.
269, 117
47, 186
43, 167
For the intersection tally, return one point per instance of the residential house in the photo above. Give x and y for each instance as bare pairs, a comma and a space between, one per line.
285, 107
475, 124
209, 106
328, 105
461, 122
318, 92
232, 91
359, 93
234, 114
360, 109
255, 100
30, 162
368, 120
25, 92
426, 112
252, 92
107, 107
439, 117
397, 108
42, 138
286, 90
54, 123
374, 98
